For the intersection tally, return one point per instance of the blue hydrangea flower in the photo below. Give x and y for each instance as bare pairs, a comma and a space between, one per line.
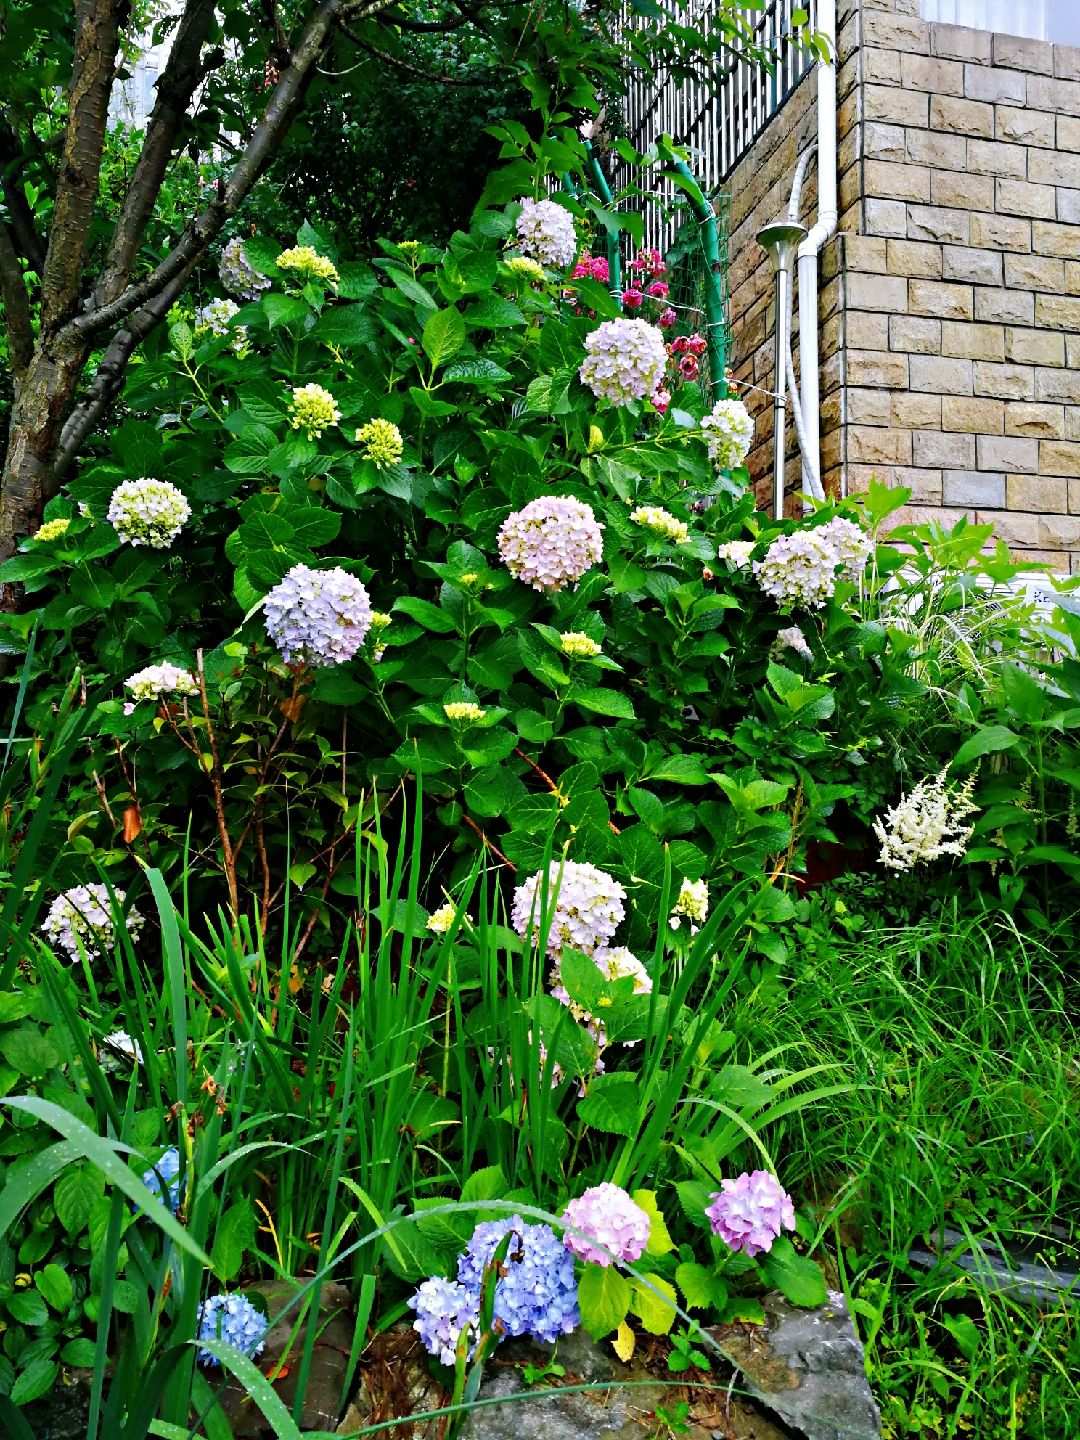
166, 1170
444, 1308
537, 1293
234, 1319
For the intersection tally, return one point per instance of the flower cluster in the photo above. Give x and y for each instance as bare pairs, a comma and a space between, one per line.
551, 542
625, 360
444, 1309
163, 1179
802, 568
647, 291
307, 264
616, 962
545, 232
382, 443
591, 267
926, 824
536, 1294
440, 921
578, 645
155, 681
525, 269
237, 273
647, 263
729, 432
216, 317
52, 530
119, 1042
380, 621
317, 617
736, 553
148, 512
587, 906
685, 353
749, 1213
614, 1227
692, 904
661, 522
233, 1319
313, 409
81, 919
464, 712
792, 638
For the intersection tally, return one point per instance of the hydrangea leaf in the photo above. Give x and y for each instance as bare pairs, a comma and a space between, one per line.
657, 1312
603, 1298
660, 1241
796, 1276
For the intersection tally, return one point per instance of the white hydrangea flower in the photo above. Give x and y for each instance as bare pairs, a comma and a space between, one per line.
792, 638
238, 275
926, 824
729, 433
216, 316
736, 553
545, 232
551, 542
317, 617
578, 645
625, 360
619, 963
464, 711
525, 269
802, 568
148, 512
661, 522
382, 441
119, 1042
313, 409
440, 921
305, 263
691, 904
82, 916
154, 681
587, 907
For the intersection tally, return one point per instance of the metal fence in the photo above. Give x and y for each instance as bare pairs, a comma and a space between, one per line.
718, 120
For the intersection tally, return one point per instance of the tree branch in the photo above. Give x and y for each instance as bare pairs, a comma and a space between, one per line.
175, 87
24, 231
284, 99
407, 68
97, 37
425, 27
20, 330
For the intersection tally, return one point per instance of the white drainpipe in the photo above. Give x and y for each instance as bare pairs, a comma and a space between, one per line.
822, 229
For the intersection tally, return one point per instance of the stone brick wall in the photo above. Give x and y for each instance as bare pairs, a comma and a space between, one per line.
950, 298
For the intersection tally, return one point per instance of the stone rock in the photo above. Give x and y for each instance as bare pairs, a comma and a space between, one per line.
800, 1374
1017, 1273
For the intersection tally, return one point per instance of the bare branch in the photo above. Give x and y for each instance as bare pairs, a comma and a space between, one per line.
24, 232
183, 72
425, 27
483, 78
97, 36
20, 330
276, 119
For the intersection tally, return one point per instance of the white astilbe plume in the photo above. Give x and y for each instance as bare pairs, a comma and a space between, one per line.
927, 823
586, 907
545, 232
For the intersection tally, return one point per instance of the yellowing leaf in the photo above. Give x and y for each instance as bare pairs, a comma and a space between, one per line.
656, 1311
660, 1242
624, 1342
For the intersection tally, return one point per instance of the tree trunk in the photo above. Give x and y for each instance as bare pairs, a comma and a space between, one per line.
44, 396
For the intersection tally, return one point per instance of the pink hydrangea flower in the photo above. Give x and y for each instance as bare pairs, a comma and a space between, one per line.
625, 360
749, 1213
551, 542
611, 1222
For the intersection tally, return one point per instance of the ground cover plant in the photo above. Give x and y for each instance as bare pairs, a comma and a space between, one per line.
421, 771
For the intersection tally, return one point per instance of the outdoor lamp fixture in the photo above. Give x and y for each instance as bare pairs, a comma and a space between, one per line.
780, 239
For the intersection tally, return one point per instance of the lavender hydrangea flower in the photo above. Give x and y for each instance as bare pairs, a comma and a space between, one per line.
545, 232
444, 1308
317, 617
536, 1294
625, 360
234, 1319
237, 273
551, 542
748, 1213
587, 907
163, 1179
611, 1222
148, 512
81, 919
729, 433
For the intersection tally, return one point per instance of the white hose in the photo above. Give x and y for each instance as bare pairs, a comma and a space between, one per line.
814, 480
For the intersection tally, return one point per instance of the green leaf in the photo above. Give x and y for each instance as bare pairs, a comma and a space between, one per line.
693, 1199
490, 1183
494, 313
235, 1235
55, 1284
443, 336
603, 1299
657, 1313
700, 1286
988, 740
258, 1388
35, 1381
79, 1353
105, 1159
476, 370
660, 1241
76, 1193
603, 702
796, 1276
29, 1051
430, 616
284, 309
345, 325
27, 1307
611, 1105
